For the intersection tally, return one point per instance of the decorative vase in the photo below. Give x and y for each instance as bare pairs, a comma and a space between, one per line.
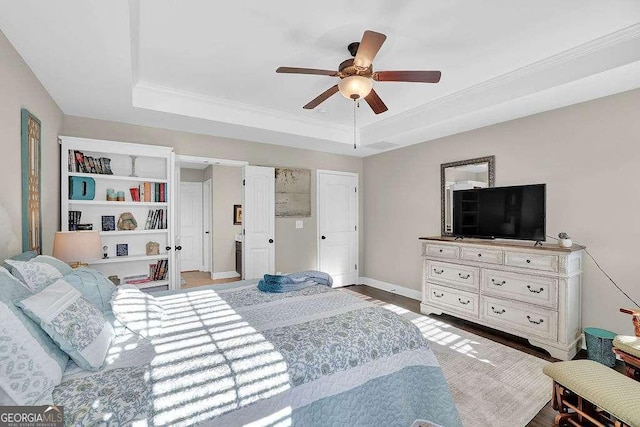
565, 243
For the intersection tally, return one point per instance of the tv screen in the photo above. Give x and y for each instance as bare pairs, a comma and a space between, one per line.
500, 212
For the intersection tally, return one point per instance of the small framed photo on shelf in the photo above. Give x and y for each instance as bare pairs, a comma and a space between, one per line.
237, 214
122, 249
108, 223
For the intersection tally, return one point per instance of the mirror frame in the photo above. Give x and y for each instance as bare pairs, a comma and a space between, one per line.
491, 160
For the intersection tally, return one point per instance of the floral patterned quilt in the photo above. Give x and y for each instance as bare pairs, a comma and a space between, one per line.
233, 355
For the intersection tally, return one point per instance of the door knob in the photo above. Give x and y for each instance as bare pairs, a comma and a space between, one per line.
323, 237
206, 232
168, 248
270, 240
178, 248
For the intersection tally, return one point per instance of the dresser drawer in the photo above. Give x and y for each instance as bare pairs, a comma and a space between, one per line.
519, 318
491, 256
518, 286
441, 251
452, 299
533, 261
453, 274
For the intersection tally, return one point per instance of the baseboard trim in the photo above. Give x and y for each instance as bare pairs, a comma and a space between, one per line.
390, 287
224, 275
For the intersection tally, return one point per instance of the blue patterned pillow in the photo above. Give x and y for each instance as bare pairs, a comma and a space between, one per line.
76, 325
31, 364
24, 256
61, 266
34, 275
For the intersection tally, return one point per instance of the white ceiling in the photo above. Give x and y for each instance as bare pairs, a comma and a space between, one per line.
209, 67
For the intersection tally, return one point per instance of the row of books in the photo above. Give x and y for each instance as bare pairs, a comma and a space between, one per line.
149, 192
157, 271
156, 219
78, 162
74, 222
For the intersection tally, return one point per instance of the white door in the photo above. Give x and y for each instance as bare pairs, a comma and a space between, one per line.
191, 225
174, 224
338, 226
207, 225
258, 222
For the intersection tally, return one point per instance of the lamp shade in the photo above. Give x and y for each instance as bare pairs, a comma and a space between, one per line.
354, 87
77, 246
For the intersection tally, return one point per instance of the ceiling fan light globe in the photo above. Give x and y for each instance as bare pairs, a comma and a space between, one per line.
354, 87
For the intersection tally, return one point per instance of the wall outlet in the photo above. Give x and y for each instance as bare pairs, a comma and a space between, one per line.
299, 223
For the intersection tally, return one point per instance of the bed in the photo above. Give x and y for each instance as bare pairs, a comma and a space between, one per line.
233, 355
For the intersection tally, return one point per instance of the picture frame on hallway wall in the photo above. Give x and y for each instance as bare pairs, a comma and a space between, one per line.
31, 131
237, 214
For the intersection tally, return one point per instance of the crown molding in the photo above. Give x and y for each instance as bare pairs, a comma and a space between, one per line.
599, 55
170, 100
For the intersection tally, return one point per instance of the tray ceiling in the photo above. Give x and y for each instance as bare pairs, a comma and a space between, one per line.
209, 67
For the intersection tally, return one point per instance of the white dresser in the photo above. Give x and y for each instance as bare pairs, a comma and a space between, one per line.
531, 292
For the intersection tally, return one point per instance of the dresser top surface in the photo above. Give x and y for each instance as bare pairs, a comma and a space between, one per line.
551, 247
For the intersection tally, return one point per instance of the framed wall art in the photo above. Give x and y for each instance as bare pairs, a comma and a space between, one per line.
31, 208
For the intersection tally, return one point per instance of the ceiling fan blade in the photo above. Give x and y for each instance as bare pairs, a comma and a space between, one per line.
321, 98
375, 102
369, 46
408, 76
296, 70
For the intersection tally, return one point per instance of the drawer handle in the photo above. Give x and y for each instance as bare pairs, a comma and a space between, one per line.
533, 290
438, 272
533, 321
497, 311
440, 250
435, 294
495, 282
464, 277
463, 302
480, 255
528, 261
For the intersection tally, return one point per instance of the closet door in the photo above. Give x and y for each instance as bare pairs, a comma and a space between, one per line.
258, 204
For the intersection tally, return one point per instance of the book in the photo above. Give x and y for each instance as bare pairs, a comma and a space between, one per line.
79, 161
135, 194
147, 191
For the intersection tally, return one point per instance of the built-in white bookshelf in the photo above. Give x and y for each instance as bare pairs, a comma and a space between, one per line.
131, 166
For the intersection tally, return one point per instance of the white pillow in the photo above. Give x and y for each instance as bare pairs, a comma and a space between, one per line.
76, 325
27, 373
34, 275
138, 311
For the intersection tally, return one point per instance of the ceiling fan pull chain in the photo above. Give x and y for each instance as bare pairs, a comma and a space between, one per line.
355, 105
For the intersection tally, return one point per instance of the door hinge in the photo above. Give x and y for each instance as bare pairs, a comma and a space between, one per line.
243, 231
244, 182
356, 189
356, 266
355, 227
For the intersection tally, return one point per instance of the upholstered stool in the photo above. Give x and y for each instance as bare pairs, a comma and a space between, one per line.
628, 348
588, 393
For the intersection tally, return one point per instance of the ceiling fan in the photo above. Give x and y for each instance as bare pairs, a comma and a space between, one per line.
357, 75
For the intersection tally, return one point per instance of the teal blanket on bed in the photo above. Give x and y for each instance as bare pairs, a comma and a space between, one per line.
294, 281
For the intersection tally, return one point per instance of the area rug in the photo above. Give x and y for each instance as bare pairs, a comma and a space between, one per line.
492, 384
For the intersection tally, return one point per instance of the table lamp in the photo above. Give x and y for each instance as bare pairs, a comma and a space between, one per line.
76, 248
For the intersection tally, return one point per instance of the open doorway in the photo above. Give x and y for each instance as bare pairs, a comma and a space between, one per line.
209, 207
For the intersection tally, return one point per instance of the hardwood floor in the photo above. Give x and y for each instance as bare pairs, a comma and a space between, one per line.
545, 417
201, 278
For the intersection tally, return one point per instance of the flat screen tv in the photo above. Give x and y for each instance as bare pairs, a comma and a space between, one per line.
500, 212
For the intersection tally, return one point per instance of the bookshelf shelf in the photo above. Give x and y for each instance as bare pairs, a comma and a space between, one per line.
87, 158
107, 203
117, 177
130, 258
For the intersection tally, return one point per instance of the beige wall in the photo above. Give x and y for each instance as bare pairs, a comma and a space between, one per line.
587, 154
191, 175
227, 191
19, 88
295, 248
